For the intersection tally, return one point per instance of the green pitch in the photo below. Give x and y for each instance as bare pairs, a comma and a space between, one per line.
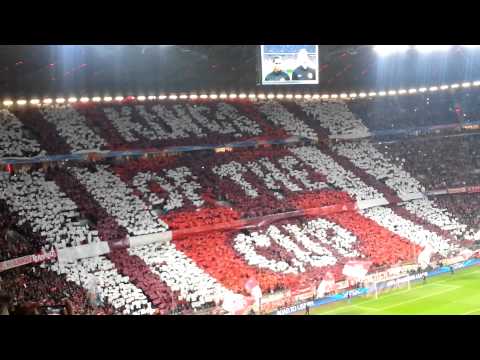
457, 294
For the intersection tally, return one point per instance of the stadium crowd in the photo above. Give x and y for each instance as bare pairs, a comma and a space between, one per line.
438, 162
366, 200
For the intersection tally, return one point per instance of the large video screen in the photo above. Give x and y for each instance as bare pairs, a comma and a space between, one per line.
289, 64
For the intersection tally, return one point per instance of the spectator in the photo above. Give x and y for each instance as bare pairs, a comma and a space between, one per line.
4, 304
277, 74
304, 71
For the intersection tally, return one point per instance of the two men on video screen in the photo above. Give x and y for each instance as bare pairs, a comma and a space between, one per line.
302, 73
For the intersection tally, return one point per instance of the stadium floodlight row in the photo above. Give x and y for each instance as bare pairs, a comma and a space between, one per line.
387, 50
251, 96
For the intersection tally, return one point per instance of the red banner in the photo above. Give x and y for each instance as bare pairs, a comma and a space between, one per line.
25, 260
270, 306
457, 190
473, 189
303, 294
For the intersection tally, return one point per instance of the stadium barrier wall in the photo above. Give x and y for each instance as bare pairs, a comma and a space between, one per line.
366, 204
103, 154
164, 237
25, 260
415, 131
459, 190
72, 254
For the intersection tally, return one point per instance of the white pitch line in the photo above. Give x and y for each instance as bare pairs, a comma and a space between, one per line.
471, 312
414, 300
337, 309
448, 286
381, 297
365, 308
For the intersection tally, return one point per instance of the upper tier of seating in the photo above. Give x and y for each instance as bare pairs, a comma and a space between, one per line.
64, 129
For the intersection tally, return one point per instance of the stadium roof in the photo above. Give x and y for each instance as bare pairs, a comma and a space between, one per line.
39, 70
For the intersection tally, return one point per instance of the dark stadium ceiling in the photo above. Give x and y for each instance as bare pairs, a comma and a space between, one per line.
133, 69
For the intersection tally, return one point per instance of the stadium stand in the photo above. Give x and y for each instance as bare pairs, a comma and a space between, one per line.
289, 214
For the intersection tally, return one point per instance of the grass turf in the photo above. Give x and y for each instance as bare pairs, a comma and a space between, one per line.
457, 294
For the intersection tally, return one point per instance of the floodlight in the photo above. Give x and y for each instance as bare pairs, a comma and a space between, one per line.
252, 96
353, 95
280, 96
21, 102
422, 89
71, 100
325, 96
35, 101
466, 84
47, 101
162, 97
315, 96
402, 91
386, 50
454, 86
433, 88
412, 91
334, 96
261, 96
233, 96
141, 98
372, 94
223, 96
193, 97
362, 95
60, 100
8, 103
96, 99
213, 96
476, 83
289, 96
444, 87
152, 97
85, 99
242, 96
343, 96
432, 48
118, 98
382, 93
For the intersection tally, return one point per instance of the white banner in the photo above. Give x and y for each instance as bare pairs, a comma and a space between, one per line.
257, 293
411, 196
161, 237
367, 204
466, 254
356, 270
424, 257
233, 303
81, 252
